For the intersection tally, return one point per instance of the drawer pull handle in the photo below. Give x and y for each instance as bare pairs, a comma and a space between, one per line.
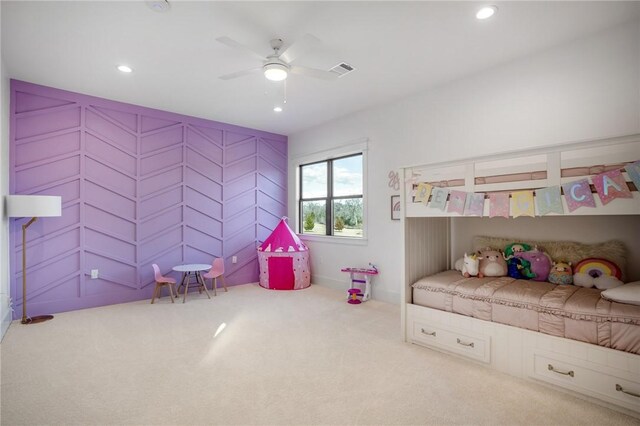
621, 389
471, 345
564, 373
433, 333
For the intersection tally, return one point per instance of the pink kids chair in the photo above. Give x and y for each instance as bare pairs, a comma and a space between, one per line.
217, 270
160, 282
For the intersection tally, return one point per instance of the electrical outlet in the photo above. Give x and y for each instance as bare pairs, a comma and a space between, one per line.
234, 259
94, 274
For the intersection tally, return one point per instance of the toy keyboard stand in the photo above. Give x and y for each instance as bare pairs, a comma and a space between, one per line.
356, 275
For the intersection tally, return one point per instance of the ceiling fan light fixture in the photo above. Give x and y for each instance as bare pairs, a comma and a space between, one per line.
275, 72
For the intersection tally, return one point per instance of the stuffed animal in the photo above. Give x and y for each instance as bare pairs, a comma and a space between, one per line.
470, 265
492, 263
513, 248
599, 273
540, 263
561, 273
520, 269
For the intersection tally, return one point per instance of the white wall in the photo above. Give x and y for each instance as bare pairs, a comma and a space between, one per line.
587, 89
5, 311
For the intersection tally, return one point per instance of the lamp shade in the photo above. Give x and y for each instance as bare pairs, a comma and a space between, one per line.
33, 205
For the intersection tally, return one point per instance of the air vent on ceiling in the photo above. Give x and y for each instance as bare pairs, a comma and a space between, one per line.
342, 69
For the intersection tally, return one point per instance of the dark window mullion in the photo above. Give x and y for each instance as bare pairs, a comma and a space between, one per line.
329, 205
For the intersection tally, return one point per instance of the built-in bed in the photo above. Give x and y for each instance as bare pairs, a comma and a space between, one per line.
560, 335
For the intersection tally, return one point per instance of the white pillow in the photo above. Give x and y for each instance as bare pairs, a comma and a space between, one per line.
628, 293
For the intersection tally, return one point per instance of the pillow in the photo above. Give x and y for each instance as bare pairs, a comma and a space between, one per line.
567, 251
628, 293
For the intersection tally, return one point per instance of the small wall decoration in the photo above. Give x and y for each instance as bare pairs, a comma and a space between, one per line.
474, 205
548, 200
611, 185
499, 205
439, 198
394, 180
522, 204
395, 207
608, 185
423, 193
578, 194
457, 200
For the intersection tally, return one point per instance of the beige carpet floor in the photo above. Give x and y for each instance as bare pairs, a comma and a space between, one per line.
253, 356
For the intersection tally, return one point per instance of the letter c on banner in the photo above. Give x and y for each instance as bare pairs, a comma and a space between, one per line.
573, 193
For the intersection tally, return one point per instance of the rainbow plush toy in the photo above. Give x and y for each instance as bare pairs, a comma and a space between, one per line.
599, 273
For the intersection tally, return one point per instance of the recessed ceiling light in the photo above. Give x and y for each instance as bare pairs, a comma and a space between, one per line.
277, 109
125, 68
158, 5
486, 12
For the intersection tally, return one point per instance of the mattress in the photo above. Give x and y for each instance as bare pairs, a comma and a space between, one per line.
559, 310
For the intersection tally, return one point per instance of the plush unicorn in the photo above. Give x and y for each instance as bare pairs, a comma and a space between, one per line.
470, 265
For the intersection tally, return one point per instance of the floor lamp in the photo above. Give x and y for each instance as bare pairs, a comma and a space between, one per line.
33, 206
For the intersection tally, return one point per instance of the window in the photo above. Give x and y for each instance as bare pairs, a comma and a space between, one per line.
331, 197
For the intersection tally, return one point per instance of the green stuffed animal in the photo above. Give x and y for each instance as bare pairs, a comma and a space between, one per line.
517, 267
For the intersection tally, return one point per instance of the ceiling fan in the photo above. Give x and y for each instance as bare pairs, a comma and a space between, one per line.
277, 66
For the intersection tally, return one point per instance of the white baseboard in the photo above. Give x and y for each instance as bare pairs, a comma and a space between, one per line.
342, 285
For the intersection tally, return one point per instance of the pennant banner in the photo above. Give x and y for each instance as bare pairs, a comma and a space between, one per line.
474, 205
522, 204
608, 185
548, 200
633, 170
439, 198
499, 205
611, 185
457, 201
423, 192
578, 194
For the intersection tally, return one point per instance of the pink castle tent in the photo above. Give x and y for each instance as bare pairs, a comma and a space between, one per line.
284, 260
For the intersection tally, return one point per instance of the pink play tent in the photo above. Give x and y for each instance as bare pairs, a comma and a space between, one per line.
284, 260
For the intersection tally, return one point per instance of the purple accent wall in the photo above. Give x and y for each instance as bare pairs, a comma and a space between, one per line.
138, 186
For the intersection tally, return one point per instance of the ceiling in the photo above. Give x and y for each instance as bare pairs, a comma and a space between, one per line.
397, 48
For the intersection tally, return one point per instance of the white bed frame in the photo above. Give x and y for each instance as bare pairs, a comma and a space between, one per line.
605, 376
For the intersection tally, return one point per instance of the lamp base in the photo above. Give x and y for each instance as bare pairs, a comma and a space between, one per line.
37, 319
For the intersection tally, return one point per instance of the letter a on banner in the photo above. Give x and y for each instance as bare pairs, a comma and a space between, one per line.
522, 204
611, 185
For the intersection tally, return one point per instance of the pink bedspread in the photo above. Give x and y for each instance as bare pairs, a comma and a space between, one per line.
560, 310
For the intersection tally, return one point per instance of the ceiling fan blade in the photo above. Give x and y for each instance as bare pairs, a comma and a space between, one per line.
240, 73
238, 46
300, 47
313, 72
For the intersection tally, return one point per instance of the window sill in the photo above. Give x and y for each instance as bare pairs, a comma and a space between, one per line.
334, 240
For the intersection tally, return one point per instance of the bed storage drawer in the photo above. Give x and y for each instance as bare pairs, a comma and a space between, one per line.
586, 378
474, 346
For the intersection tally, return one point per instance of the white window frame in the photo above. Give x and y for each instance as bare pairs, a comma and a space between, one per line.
356, 147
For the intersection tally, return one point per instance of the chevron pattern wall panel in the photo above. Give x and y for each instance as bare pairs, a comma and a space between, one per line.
138, 186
